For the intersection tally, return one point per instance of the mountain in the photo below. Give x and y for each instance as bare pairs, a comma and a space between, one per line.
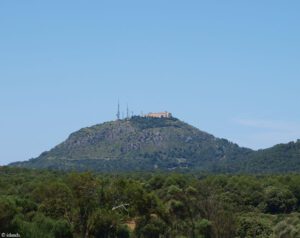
149, 144
277, 159
141, 143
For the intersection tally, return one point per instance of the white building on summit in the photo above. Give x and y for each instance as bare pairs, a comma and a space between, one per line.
159, 114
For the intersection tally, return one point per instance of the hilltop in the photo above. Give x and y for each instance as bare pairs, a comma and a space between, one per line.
140, 143
161, 144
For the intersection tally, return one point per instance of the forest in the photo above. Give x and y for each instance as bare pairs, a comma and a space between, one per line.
43, 203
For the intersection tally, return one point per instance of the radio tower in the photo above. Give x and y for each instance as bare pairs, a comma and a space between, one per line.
127, 112
118, 113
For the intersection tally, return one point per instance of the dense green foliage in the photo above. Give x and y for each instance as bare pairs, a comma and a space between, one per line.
278, 159
37, 203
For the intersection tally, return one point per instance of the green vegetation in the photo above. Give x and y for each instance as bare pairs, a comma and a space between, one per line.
38, 203
278, 159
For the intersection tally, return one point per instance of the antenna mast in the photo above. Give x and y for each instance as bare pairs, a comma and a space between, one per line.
127, 112
118, 113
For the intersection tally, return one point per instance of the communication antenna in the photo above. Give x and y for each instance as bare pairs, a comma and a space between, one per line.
127, 112
118, 113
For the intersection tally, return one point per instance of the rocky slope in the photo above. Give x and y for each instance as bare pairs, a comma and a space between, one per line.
141, 144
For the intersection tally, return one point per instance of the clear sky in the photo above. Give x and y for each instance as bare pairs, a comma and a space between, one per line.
231, 68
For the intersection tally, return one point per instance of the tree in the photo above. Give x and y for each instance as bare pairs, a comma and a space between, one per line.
55, 200
152, 227
85, 188
288, 228
279, 199
8, 211
254, 226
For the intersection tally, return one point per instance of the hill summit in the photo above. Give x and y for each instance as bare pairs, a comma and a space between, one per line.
140, 143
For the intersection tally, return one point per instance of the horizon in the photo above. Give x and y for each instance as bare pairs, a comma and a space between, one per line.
229, 69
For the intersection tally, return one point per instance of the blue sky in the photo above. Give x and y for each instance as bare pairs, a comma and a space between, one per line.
230, 68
